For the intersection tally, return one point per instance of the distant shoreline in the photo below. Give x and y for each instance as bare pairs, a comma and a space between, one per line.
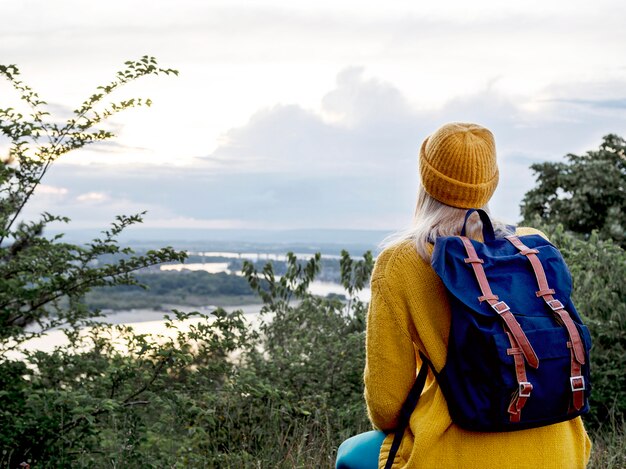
138, 315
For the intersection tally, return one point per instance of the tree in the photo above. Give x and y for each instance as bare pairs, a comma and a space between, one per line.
585, 193
52, 405
44, 279
581, 205
598, 269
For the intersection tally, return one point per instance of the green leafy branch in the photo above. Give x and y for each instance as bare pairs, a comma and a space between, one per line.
45, 279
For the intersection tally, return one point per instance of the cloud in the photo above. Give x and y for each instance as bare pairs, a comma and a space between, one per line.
199, 196
367, 129
91, 197
110, 146
364, 124
51, 190
350, 164
611, 104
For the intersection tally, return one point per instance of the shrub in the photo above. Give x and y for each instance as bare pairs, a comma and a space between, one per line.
598, 269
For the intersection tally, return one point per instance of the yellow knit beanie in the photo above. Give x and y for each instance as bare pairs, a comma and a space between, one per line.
458, 165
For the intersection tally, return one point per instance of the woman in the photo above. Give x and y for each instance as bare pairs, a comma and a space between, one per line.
409, 314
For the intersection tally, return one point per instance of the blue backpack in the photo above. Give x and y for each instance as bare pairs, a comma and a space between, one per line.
518, 352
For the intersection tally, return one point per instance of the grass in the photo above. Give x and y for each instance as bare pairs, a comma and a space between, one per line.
308, 445
312, 448
609, 446
316, 447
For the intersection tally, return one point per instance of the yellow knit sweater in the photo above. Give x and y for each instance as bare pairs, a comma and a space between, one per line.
408, 312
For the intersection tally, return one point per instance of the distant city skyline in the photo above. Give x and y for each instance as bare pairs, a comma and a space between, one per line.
299, 115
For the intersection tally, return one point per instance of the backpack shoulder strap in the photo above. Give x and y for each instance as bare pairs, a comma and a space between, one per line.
545, 292
520, 346
407, 409
499, 306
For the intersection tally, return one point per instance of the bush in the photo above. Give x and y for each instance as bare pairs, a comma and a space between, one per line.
598, 269
216, 395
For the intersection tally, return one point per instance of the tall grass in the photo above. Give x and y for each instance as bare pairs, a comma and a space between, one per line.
609, 446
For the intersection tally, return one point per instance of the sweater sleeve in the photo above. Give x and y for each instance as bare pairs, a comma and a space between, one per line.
390, 362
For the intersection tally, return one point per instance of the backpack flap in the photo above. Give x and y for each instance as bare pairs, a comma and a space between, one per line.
507, 271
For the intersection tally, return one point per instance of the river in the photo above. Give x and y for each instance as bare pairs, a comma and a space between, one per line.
151, 321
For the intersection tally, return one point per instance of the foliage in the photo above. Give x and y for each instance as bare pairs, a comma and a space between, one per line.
585, 193
314, 348
44, 280
609, 445
598, 269
299, 388
100, 397
216, 395
581, 205
211, 392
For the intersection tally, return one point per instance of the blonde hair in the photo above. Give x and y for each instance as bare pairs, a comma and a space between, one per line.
433, 219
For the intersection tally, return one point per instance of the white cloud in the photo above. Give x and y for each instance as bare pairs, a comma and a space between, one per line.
45, 189
92, 197
375, 134
291, 167
236, 58
294, 167
301, 146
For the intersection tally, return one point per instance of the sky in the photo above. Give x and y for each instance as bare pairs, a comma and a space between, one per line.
310, 114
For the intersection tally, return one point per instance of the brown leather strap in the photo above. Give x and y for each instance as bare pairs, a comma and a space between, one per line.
577, 384
560, 311
499, 307
576, 347
524, 387
555, 305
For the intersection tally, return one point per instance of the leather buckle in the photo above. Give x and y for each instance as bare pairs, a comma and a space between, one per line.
577, 383
555, 305
525, 389
496, 307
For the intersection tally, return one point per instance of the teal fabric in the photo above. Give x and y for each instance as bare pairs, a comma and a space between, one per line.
361, 451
